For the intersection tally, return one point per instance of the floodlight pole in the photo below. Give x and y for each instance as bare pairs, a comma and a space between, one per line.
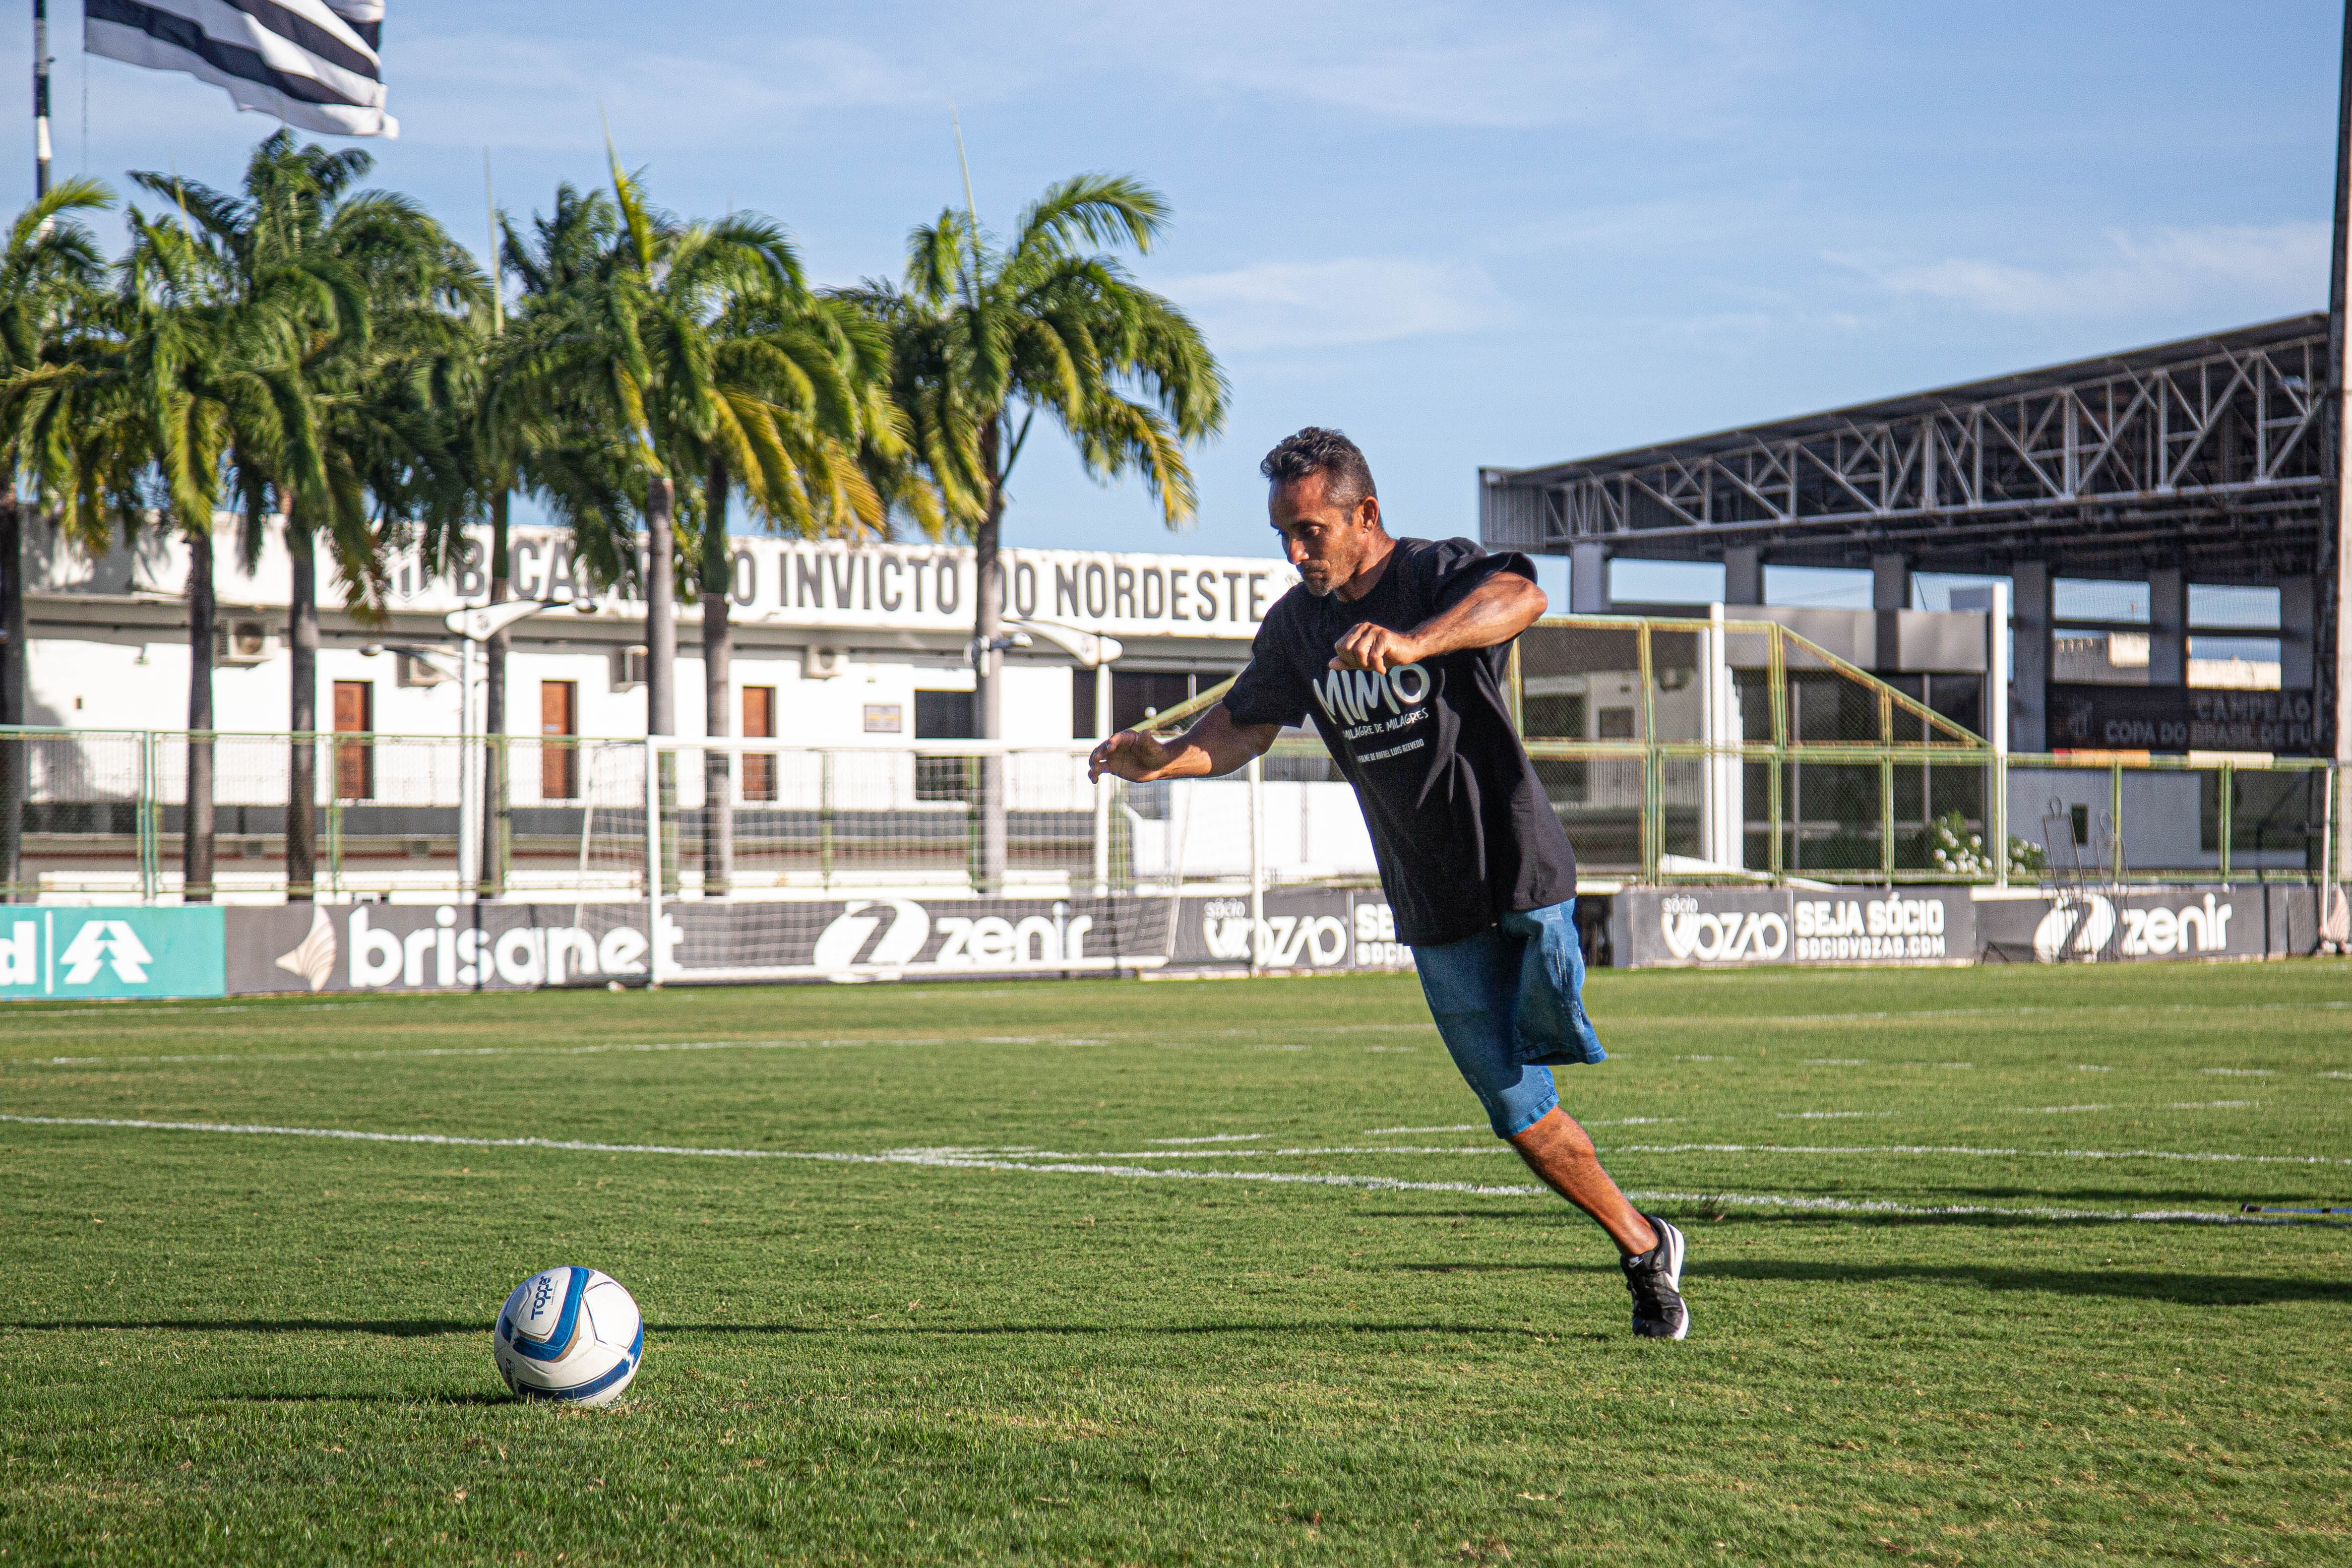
2336, 519
475, 626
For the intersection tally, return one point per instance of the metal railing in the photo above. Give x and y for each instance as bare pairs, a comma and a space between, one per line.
1690, 750
1672, 751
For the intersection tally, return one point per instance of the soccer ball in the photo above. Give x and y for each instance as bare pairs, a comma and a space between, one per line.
570, 1333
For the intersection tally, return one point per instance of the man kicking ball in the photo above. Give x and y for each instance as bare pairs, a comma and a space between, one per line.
1398, 649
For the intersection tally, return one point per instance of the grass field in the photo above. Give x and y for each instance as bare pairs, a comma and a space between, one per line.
1064, 1298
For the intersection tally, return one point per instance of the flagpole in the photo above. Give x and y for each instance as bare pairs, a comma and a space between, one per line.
40, 98
2333, 671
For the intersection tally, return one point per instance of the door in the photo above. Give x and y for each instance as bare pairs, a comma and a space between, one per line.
355, 759
759, 723
559, 755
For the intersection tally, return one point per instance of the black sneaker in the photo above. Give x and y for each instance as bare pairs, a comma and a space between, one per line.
1655, 1279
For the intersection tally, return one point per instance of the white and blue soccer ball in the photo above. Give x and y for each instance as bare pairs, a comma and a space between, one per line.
570, 1333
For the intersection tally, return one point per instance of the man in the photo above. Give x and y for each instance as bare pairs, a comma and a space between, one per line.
1398, 649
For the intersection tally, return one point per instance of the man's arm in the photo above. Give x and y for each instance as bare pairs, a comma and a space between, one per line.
1214, 745
1496, 610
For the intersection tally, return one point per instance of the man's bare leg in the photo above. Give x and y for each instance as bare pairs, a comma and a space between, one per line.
1558, 1150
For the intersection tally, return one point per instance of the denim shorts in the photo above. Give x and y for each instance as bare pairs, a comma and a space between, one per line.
1510, 1004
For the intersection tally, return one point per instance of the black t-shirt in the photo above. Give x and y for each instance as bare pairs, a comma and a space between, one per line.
1461, 827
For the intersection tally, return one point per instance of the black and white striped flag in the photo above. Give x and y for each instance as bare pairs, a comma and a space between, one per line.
311, 63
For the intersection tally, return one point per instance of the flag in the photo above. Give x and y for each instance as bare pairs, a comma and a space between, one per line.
311, 63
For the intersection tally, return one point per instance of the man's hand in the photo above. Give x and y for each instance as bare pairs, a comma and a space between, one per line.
1375, 648
1491, 615
1214, 745
1131, 755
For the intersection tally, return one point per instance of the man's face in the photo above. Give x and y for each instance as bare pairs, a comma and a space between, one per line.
1329, 543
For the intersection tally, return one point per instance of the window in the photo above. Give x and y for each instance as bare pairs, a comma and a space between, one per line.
759, 723
1082, 704
559, 758
355, 759
943, 716
1137, 695
1616, 724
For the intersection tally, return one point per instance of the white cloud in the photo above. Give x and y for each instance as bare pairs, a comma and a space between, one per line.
521, 90
1676, 69
1323, 304
2246, 269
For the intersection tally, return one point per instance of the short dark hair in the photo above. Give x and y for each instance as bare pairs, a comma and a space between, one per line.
1347, 478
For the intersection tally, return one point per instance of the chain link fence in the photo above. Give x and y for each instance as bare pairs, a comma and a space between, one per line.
1673, 751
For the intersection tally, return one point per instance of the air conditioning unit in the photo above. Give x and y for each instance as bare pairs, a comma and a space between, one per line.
629, 669
408, 670
824, 663
243, 642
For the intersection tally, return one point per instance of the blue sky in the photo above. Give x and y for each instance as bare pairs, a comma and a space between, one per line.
1467, 235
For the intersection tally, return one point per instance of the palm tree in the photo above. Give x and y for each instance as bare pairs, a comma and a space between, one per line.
987, 333
801, 415
49, 270
695, 350
504, 440
358, 287
136, 422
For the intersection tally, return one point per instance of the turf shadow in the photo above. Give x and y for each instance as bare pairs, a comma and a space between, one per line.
393, 1328
1142, 1331
450, 1399
2185, 1290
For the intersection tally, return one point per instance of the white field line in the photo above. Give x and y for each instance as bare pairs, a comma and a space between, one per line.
1881, 1205
1824, 1115
1674, 1022
520, 1050
1214, 1138
944, 1160
1968, 1153
1481, 1126
1498, 1147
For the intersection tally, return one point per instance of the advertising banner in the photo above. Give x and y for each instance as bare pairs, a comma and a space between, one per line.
76, 953
2084, 927
911, 938
1720, 927
1304, 929
2182, 719
423, 947
513, 946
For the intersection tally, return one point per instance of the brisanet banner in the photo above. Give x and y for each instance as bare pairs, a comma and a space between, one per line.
448, 947
1713, 927
73, 953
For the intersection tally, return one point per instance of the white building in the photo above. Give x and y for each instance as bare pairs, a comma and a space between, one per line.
832, 643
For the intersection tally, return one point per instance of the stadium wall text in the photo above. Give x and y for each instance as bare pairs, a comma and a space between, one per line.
64, 953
